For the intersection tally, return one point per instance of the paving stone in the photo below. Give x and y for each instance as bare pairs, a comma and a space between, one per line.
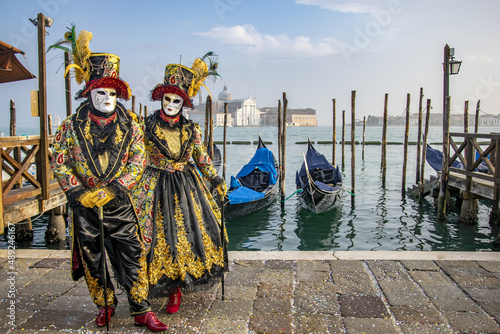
353, 283
55, 288
279, 265
420, 314
194, 305
313, 271
471, 281
60, 320
244, 273
468, 322
48, 263
274, 291
419, 265
388, 270
403, 293
415, 328
362, 306
178, 325
369, 326
224, 326
231, 310
238, 293
72, 303
492, 308
480, 294
317, 323
278, 276
316, 297
491, 266
271, 323
347, 266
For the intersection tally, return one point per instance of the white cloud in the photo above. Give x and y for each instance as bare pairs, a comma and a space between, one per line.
271, 45
346, 6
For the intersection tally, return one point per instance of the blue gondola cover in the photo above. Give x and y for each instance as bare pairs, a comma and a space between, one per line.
263, 160
243, 194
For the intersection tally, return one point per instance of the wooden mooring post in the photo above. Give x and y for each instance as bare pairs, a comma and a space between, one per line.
283, 148
67, 86
405, 152
419, 139
466, 117
476, 121
334, 135
364, 128
384, 141
224, 139
443, 189
343, 139
353, 146
424, 152
282, 191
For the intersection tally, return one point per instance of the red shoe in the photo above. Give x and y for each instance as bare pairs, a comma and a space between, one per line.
101, 318
174, 301
150, 320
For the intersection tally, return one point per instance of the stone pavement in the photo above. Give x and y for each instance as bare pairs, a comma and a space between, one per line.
277, 292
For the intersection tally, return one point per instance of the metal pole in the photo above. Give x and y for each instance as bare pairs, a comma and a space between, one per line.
104, 265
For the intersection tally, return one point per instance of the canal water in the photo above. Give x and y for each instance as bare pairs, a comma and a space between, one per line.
380, 217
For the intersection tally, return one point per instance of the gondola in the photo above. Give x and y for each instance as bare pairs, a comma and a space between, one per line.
255, 186
320, 182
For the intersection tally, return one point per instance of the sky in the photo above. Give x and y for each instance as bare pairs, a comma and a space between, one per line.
314, 50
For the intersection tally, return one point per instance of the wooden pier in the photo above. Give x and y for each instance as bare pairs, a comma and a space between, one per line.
25, 195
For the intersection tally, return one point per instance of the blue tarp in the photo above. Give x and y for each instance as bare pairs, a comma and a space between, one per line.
435, 159
316, 160
243, 194
263, 159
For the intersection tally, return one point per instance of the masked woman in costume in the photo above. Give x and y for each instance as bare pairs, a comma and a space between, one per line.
98, 157
180, 219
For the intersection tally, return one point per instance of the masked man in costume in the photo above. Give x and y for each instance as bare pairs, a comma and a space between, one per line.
180, 219
98, 158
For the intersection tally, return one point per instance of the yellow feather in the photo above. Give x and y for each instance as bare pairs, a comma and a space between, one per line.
81, 55
200, 70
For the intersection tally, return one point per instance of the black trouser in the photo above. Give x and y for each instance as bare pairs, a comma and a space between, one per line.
125, 251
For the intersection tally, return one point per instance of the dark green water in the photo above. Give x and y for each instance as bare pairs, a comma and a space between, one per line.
379, 219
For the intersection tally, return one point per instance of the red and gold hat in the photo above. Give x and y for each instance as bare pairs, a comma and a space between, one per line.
104, 73
178, 79
98, 70
185, 81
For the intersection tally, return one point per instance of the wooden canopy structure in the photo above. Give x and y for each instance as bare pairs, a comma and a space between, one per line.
11, 68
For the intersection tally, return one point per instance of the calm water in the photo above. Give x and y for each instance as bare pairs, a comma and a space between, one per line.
380, 218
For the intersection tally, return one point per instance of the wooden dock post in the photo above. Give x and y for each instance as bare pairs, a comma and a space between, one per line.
67, 86
343, 139
280, 148
12, 132
476, 123
468, 209
207, 126
334, 135
133, 104
466, 117
443, 189
43, 175
353, 145
384, 141
145, 111
283, 144
419, 139
424, 152
364, 127
224, 139
405, 152
211, 127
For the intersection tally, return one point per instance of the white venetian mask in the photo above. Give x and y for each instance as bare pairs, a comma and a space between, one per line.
172, 104
104, 99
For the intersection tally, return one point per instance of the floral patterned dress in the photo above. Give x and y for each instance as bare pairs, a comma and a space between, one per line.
180, 220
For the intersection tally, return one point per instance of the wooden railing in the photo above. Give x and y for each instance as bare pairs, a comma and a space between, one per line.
464, 147
17, 156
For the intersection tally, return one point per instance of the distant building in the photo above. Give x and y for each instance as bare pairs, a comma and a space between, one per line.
295, 117
244, 112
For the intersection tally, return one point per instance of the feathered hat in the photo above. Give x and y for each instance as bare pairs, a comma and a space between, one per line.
185, 81
98, 70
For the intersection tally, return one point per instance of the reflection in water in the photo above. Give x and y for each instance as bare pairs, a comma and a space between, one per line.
318, 231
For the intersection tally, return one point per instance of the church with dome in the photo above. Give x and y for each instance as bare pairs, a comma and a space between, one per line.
244, 112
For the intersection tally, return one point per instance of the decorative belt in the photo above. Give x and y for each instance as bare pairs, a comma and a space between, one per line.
172, 167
